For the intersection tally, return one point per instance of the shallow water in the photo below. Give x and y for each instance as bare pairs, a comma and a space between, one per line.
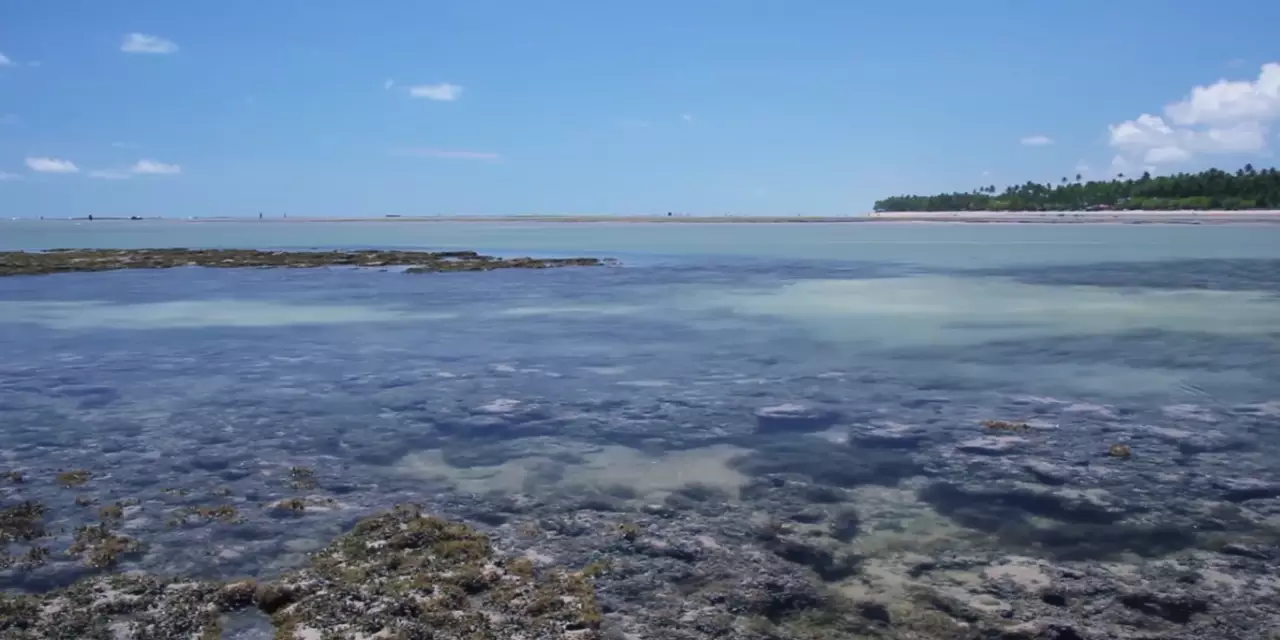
186, 387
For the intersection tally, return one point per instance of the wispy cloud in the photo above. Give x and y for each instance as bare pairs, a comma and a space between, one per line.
687, 117
388, 83
450, 154
51, 165
143, 43
109, 174
5, 61
8, 118
124, 145
442, 92
5, 176
1036, 141
634, 123
151, 167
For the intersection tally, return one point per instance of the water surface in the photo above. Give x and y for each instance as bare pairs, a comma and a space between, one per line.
194, 386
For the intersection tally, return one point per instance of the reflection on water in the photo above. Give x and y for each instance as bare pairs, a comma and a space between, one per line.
844, 412
950, 310
194, 314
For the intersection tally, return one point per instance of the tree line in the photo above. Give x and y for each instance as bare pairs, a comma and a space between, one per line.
1212, 189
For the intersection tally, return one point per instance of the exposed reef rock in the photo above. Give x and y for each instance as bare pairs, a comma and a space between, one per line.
400, 574
24, 263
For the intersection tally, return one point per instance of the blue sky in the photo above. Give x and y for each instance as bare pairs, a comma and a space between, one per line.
328, 107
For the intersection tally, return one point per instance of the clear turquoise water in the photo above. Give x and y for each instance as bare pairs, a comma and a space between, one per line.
211, 379
925, 244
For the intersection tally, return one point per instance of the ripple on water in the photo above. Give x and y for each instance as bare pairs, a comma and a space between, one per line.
592, 395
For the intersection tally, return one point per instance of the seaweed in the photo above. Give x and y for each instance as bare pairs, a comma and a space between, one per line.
74, 478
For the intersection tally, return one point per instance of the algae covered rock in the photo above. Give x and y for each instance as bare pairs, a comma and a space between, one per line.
407, 573
399, 574
20, 263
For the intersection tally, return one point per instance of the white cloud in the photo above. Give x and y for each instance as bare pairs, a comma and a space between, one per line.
143, 43
443, 92
109, 174
155, 168
51, 165
5, 61
1231, 101
1036, 141
1226, 117
687, 117
1166, 155
1155, 141
5, 176
1131, 169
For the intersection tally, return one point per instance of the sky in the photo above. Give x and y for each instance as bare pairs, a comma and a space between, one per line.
766, 107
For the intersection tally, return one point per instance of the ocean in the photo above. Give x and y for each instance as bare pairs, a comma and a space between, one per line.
722, 375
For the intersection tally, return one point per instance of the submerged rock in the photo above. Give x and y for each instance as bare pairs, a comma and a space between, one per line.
1049, 473
793, 417
890, 436
1093, 506
1244, 489
992, 445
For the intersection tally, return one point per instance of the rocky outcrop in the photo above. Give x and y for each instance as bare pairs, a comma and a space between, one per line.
399, 574
24, 263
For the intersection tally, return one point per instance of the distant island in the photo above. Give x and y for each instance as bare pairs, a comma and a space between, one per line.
1213, 189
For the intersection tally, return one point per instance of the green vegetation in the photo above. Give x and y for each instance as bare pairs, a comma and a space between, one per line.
1212, 189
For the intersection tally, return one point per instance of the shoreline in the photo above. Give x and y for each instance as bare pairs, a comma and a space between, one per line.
967, 217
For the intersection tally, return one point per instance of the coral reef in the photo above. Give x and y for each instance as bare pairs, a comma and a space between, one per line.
398, 574
18, 263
